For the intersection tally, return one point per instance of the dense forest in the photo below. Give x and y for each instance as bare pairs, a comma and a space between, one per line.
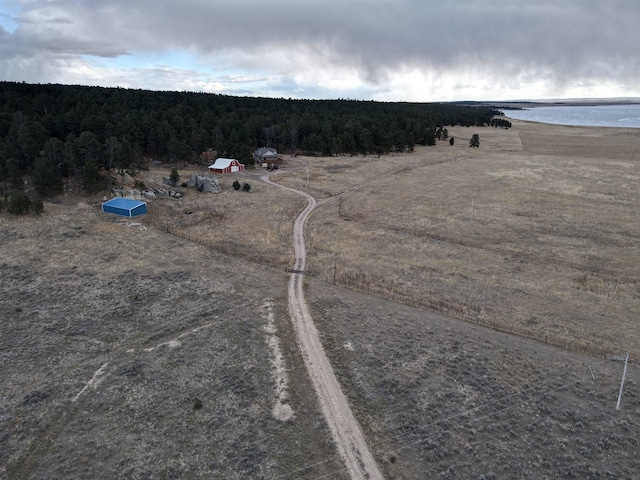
49, 132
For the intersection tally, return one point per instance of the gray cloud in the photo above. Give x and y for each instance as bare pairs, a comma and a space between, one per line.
574, 42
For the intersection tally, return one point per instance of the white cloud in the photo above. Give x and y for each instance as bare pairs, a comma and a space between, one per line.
412, 50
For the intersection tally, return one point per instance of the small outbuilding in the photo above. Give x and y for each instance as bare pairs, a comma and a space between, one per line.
125, 207
226, 165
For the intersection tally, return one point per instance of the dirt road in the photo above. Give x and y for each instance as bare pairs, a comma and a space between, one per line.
344, 427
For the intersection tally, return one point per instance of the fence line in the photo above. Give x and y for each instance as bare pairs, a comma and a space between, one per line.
460, 311
365, 283
226, 248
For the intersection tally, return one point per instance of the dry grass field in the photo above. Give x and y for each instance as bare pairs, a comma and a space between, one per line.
535, 233
439, 398
126, 352
160, 347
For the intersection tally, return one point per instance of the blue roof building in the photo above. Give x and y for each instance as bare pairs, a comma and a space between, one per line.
125, 207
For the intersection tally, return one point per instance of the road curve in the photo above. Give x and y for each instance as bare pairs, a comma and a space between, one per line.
344, 427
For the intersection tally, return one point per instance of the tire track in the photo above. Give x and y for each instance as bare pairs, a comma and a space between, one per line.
345, 429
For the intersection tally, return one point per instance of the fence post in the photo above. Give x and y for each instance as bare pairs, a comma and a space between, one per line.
624, 374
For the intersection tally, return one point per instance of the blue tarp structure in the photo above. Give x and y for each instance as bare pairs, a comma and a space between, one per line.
125, 207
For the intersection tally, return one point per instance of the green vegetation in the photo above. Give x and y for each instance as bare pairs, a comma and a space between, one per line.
500, 122
54, 131
20, 204
475, 141
174, 177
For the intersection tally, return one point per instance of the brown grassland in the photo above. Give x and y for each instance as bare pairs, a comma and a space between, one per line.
469, 300
535, 233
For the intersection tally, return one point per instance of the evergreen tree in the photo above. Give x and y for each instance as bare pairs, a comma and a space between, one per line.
430, 138
178, 125
4, 172
46, 179
91, 178
70, 154
38, 206
14, 172
410, 142
174, 177
87, 149
18, 204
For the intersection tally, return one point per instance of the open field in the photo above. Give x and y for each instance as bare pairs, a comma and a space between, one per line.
126, 352
536, 232
440, 398
160, 347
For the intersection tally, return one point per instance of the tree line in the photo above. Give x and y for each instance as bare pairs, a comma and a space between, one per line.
49, 132
500, 122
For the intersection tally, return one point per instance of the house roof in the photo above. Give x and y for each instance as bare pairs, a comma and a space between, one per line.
124, 206
264, 150
223, 163
124, 203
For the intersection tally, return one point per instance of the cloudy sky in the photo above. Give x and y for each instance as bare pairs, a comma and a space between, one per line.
388, 50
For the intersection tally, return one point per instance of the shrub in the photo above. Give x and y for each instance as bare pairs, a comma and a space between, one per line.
38, 206
174, 177
19, 204
236, 185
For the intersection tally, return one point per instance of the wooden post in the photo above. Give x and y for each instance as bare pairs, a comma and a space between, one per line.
335, 269
624, 374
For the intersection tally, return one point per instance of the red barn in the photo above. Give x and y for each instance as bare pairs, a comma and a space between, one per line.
226, 165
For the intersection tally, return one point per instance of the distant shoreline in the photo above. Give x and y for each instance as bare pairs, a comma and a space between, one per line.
615, 115
584, 102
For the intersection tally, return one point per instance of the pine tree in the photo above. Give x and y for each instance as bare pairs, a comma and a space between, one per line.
174, 178
46, 178
19, 204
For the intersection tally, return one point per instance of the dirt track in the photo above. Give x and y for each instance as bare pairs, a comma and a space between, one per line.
344, 427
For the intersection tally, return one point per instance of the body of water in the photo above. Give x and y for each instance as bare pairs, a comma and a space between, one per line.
627, 116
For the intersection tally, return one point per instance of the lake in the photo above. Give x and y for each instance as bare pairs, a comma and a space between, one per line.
627, 116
